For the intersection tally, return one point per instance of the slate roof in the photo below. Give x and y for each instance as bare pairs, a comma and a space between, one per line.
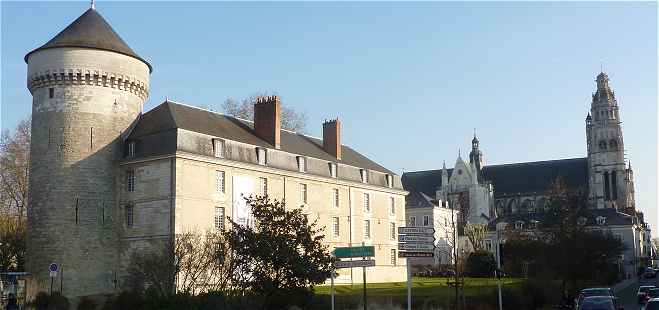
508, 179
90, 30
170, 115
612, 216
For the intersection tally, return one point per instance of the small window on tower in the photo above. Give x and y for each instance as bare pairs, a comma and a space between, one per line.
51, 92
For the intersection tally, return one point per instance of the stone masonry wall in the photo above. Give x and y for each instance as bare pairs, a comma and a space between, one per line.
83, 101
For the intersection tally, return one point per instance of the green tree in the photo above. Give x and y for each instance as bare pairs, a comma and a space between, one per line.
284, 256
481, 264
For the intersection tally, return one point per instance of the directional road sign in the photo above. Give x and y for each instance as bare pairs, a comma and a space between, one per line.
416, 230
355, 251
416, 246
354, 263
415, 254
416, 238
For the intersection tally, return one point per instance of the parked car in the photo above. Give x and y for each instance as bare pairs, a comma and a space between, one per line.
594, 292
599, 303
653, 304
641, 295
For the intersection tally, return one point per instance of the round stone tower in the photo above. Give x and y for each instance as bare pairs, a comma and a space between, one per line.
88, 88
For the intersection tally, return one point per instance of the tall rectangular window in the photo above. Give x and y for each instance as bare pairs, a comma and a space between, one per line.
392, 205
367, 229
131, 149
263, 186
262, 156
218, 148
392, 231
219, 181
335, 197
130, 180
488, 245
412, 221
614, 186
129, 216
332, 167
301, 164
219, 218
426, 220
393, 257
367, 202
335, 226
303, 193
51, 92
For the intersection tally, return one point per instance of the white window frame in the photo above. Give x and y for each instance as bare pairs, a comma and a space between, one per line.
601, 220
333, 169
412, 221
392, 231
364, 175
219, 218
220, 181
335, 197
301, 164
367, 202
336, 226
393, 257
426, 220
263, 186
130, 180
262, 156
367, 229
218, 148
519, 225
304, 193
392, 206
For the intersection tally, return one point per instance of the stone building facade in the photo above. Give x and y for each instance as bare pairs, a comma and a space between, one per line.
107, 180
501, 193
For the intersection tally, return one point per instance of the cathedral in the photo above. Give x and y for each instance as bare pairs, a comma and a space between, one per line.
517, 193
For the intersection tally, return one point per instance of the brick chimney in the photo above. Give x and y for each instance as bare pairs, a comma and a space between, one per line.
332, 137
267, 119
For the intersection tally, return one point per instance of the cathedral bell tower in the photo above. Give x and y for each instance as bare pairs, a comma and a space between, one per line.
610, 181
476, 156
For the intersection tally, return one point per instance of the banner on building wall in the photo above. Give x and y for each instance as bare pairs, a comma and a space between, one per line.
243, 186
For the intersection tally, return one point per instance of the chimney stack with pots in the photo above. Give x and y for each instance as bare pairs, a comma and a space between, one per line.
332, 137
267, 119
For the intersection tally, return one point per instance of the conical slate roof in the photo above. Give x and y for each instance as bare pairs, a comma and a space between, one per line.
90, 30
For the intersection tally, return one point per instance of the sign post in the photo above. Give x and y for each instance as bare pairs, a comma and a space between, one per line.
362, 251
332, 289
414, 242
364, 277
52, 268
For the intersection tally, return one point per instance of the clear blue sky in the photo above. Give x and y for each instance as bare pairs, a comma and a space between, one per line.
410, 81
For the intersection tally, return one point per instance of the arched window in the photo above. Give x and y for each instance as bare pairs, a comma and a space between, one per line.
602, 145
512, 206
613, 143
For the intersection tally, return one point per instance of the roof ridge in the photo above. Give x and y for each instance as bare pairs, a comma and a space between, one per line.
238, 118
534, 162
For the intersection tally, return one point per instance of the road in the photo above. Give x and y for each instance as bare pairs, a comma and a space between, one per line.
628, 295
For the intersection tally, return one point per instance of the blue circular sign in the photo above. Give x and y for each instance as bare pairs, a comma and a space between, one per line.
53, 267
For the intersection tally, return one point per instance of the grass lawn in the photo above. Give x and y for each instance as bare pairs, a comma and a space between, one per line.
424, 291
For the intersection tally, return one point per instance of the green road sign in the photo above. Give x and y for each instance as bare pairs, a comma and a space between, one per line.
355, 251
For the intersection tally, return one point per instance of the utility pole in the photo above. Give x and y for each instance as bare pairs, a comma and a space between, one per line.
498, 271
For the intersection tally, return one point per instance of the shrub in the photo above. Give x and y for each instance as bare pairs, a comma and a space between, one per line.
86, 303
481, 264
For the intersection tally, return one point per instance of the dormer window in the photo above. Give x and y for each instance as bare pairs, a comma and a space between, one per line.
581, 221
519, 225
131, 149
390, 181
262, 156
364, 175
301, 164
332, 169
600, 220
218, 148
